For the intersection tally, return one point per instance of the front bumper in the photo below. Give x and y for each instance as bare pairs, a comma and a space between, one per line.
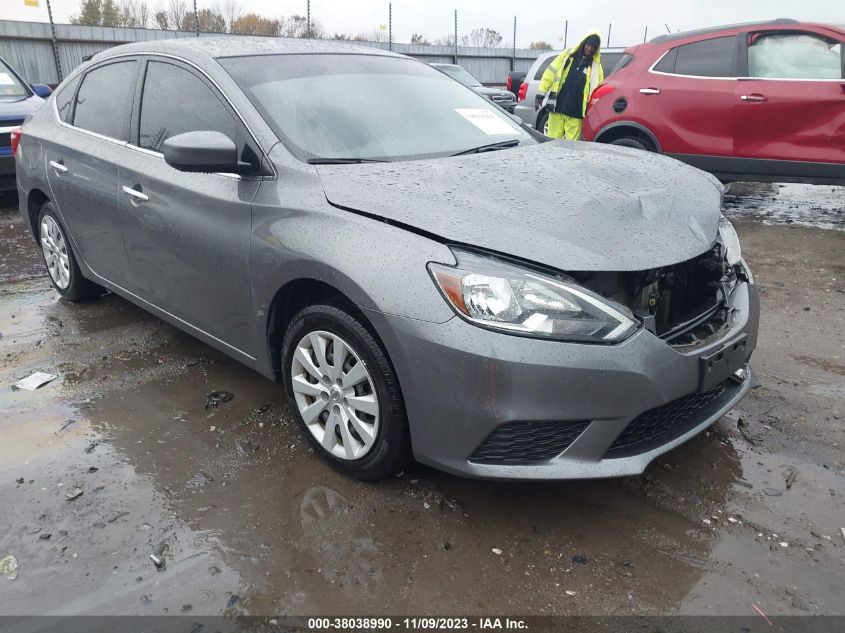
461, 382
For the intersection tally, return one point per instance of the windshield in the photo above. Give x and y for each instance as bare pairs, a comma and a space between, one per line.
10, 87
368, 107
460, 74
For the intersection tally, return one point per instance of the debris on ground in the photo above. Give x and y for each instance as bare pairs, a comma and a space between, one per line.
216, 398
19, 480
570, 593
245, 447
496, 551
790, 478
580, 559
158, 557
90, 448
44, 537
842, 531
743, 483
9, 567
773, 492
199, 480
234, 599
763, 615
117, 516
74, 494
36, 380
67, 423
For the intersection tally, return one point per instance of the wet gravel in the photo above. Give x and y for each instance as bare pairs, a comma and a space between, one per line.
241, 517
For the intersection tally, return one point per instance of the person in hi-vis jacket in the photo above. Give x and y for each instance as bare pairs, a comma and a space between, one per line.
572, 77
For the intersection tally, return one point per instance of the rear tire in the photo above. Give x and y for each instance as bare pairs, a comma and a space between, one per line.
57, 254
353, 416
632, 141
543, 123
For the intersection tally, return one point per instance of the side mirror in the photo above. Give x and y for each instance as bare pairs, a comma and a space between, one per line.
42, 90
203, 151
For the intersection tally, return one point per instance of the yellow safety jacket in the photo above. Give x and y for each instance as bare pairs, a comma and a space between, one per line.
556, 73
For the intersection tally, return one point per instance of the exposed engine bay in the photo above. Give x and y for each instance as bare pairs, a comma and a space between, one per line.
684, 304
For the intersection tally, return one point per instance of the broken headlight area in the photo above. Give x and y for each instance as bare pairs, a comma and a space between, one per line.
684, 304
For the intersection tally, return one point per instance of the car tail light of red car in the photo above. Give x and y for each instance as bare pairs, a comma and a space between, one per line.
16, 139
523, 90
598, 93
510, 83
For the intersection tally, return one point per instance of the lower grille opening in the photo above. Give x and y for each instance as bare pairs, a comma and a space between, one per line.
663, 424
527, 442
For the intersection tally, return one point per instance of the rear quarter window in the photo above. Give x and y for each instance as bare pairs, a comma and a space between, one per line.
707, 58
545, 64
64, 98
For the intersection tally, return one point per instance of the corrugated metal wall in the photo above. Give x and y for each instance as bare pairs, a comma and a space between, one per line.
27, 47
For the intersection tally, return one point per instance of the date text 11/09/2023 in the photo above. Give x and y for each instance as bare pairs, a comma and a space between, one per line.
416, 624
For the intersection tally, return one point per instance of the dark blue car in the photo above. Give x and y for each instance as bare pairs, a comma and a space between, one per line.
17, 101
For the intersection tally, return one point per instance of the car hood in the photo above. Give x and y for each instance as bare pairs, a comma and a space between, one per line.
21, 108
571, 206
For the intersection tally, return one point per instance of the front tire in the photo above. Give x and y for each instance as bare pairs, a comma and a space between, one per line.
60, 260
543, 123
344, 393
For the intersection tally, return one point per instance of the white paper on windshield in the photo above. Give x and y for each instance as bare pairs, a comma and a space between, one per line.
485, 120
6, 80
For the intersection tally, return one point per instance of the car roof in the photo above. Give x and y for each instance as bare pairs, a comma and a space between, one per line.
205, 48
671, 37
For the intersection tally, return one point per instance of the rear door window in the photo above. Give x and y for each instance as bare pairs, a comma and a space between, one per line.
794, 56
707, 58
64, 99
102, 100
176, 101
545, 64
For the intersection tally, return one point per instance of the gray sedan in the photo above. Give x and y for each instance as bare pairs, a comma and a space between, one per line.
502, 98
362, 229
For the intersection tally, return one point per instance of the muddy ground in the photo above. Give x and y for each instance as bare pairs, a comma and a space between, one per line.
253, 522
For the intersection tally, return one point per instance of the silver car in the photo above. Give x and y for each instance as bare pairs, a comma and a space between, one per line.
502, 98
333, 217
526, 108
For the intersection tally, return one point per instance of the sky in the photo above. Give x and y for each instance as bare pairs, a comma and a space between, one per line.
536, 19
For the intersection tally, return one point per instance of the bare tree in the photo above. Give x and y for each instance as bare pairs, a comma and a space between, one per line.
176, 11
160, 19
540, 46
482, 38
446, 40
377, 35
297, 26
419, 38
209, 21
134, 13
231, 10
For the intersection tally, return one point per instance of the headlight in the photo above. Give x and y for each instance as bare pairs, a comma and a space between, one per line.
729, 238
506, 297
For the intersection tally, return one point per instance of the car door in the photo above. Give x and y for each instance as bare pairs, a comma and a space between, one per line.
82, 166
790, 105
687, 97
188, 234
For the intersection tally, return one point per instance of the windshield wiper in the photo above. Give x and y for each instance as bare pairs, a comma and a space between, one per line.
342, 161
489, 147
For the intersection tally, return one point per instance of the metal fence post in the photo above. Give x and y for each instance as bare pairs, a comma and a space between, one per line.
513, 56
54, 43
645, 35
456, 36
565, 33
390, 25
607, 43
196, 19
308, 21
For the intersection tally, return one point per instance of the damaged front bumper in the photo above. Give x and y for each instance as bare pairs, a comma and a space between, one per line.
489, 405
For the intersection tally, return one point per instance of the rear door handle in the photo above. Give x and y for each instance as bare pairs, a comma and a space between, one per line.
756, 98
135, 194
60, 169
649, 91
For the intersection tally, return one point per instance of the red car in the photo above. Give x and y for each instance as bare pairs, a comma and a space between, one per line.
760, 101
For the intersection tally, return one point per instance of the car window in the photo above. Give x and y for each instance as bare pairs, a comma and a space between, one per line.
667, 62
707, 58
609, 62
369, 107
624, 60
10, 87
461, 75
102, 98
64, 98
794, 56
545, 64
176, 101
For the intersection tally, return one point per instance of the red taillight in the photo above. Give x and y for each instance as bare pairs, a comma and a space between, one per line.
598, 93
16, 139
523, 90
510, 83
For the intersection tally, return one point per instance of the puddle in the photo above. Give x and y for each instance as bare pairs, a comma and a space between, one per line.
818, 206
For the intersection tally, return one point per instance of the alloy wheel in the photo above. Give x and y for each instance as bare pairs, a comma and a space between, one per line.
54, 247
335, 395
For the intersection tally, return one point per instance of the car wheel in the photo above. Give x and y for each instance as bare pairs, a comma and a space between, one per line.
543, 123
344, 392
59, 258
630, 141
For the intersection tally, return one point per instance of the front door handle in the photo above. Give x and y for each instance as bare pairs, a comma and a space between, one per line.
756, 98
649, 91
135, 194
60, 169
